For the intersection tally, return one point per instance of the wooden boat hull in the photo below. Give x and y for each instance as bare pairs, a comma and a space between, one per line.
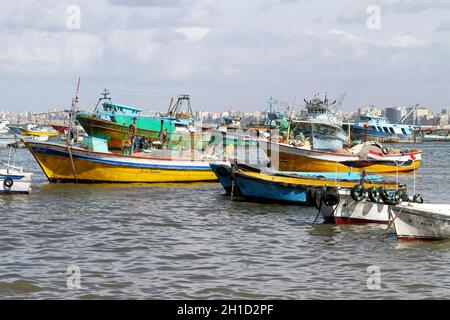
223, 173
289, 158
415, 222
289, 189
98, 167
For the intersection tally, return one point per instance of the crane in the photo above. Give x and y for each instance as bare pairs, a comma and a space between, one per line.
413, 109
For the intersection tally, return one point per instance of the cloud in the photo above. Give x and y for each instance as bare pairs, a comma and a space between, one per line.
414, 6
194, 33
49, 53
146, 3
444, 26
407, 41
201, 47
353, 12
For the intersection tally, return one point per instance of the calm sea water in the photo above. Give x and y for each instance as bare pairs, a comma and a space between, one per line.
192, 242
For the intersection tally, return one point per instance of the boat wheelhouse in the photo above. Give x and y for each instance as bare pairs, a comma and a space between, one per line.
321, 124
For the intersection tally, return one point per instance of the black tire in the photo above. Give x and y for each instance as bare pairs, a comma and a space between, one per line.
374, 195
358, 193
8, 183
391, 199
417, 198
331, 196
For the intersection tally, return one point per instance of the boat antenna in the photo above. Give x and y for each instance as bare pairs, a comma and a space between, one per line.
293, 106
105, 96
170, 105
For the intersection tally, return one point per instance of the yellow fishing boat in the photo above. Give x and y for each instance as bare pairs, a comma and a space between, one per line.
63, 163
285, 157
32, 130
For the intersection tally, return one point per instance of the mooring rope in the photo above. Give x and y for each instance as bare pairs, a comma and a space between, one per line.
73, 165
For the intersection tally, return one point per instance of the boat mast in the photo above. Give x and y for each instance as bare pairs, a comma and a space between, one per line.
72, 113
105, 96
173, 111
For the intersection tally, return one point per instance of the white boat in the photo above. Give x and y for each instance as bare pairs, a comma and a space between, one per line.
350, 211
419, 221
4, 127
13, 179
7, 139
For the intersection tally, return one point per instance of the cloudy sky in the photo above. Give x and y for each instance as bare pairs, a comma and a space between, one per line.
226, 53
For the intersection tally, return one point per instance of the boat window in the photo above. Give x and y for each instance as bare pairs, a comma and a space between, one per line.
373, 128
386, 129
392, 130
404, 131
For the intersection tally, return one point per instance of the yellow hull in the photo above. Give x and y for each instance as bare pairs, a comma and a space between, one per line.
302, 163
59, 169
289, 162
293, 181
38, 133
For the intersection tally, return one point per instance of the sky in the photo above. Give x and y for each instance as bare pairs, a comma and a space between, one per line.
227, 54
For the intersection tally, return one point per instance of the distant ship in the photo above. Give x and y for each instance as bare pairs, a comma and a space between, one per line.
375, 128
321, 125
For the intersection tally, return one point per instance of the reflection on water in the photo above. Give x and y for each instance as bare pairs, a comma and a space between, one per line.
191, 241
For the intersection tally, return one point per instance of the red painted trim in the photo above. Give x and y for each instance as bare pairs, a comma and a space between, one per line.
341, 220
418, 239
376, 153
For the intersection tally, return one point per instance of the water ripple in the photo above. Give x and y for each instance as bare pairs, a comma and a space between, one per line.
192, 242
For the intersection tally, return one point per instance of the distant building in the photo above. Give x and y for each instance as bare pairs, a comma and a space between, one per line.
443, 119
371, 110
395, 114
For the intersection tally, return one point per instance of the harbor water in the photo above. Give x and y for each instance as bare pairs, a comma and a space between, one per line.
193, 242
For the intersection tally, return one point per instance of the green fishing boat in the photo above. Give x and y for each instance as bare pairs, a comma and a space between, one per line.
122, 126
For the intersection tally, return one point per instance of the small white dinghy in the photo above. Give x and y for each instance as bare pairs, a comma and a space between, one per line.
13, 179
420, 221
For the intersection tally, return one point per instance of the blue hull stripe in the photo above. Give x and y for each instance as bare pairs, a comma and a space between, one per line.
118, 163
268, 191
15, 178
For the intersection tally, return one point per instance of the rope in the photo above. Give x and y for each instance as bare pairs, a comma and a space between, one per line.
73, 165
414, 177
392, 222
398, 182
320, 208
336, 175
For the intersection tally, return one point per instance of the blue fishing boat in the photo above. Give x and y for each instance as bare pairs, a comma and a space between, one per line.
262, 184
375, 128
294, 188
